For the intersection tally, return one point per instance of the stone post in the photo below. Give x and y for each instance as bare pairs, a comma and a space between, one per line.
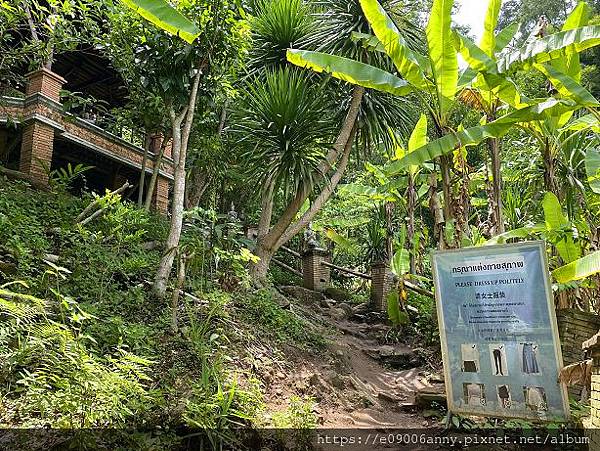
316, 276
38, 137
382, 282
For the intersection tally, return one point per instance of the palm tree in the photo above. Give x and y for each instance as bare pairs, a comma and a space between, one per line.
313, 177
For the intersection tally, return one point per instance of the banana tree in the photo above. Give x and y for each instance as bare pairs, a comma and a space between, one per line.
555, 55
489, 93
417, 139
437, 76
433, 78
390, 191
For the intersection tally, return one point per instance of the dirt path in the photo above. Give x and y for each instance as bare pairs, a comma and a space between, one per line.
358, 381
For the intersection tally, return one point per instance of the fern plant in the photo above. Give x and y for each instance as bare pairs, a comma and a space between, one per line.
50, 377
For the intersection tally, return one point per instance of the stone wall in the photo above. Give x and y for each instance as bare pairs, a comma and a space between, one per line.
574, 328
592, 423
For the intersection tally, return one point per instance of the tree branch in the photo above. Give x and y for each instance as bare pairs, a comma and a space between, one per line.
324, 196
345, 132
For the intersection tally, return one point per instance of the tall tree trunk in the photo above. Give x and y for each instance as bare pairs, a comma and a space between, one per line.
323, 196
437, 211
177, 290
267, 246
411, 196
266, 211
180, 144
197, 186
284, 230
496, 207
550, 181
445, 165
389, 231
147, 144
199, 177
155, 172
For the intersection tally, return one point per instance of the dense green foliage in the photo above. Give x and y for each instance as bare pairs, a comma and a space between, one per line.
387, 131
84, 345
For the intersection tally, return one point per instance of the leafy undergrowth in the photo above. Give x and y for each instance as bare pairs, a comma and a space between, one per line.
84, 344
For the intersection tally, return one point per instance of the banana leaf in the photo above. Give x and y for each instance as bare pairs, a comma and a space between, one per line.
164, 16
488, 40
578, 269
551, 47
567, 86
444, 59
351, 71
408, 62
475, 135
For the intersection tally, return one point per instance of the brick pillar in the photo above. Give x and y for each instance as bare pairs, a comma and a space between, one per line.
160, 200
382, 283
45, 82
592, 423
38, 138
315, 275
36, 150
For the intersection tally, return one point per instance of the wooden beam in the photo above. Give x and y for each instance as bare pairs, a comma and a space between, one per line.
291, 251
348, 271
286, 267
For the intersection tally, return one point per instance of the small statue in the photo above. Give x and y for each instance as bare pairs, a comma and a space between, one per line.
232, 215
310, 238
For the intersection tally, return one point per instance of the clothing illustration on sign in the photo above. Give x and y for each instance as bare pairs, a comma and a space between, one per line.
470, 358
498, 355
474, 394
504, 396
535, 398
530, 363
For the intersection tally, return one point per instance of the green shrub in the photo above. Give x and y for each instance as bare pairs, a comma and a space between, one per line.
261, 309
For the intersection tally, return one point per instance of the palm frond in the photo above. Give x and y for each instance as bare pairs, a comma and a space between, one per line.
283, 126
277, 26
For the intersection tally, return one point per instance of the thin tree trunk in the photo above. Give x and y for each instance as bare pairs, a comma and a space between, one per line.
266, 247
498, 215
445, 163
410, 228
437, 211
266, 211
199, 177
30, 22
389, 232
222, 119
155, 171
197, 186
323, 197
550, 182
147, 143
180, 143
178, 288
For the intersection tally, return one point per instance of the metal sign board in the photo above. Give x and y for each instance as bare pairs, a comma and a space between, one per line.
499, 337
